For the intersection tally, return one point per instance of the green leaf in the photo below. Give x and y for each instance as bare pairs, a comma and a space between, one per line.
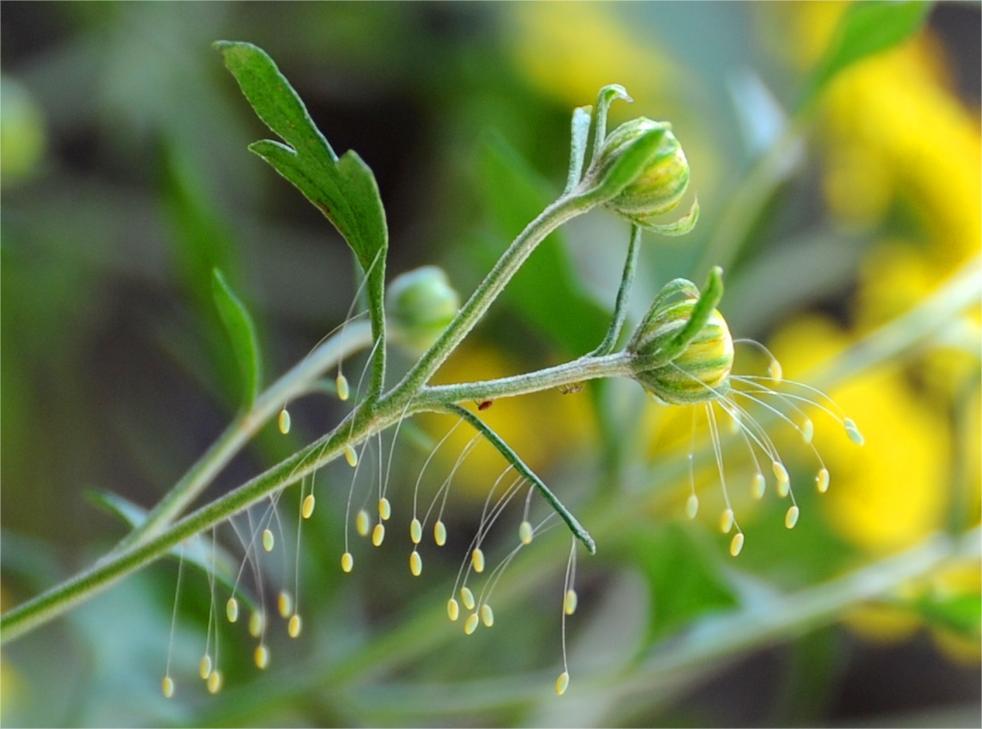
242, 334
344, 190
866, 28
545, 292
642, 152
197, 551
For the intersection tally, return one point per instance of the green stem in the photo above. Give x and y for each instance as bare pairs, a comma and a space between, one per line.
353, 337
620, 304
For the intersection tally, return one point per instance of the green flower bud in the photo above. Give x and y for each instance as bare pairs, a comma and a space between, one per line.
420, 304
660, 186
700, 372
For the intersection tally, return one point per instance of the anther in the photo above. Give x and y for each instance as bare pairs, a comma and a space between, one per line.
261, 656
307, 509
692, 506
347, 562
570, 601
232, 610
726, 521
807, 430
362, 523
342, 385
853, 431
758, 485
284, 603
204, 666
350, 456
525, 532
214, 682
415, 531
294, 626
822, 480
477, 560
562, 683
775, 371
467, 597
257, 622
167, 687
284, 421
470, 625
791, 517
378, 534
269, 541
783, 481
736, 544
487, 615
415, 564
384, 509
453, 610
440, 533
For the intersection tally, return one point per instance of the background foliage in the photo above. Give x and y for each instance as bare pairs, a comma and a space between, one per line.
126, 182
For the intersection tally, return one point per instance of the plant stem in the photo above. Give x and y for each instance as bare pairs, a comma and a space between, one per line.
620, 304
353, 337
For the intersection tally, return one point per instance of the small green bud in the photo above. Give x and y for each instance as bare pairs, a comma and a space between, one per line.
700, 372
660, 186
420, 304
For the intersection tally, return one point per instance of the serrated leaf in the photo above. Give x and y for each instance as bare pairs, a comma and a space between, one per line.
197, 551
344, 190
242, 334
866, 28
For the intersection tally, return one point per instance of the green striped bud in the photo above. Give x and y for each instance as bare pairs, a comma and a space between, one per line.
660, 186
697, 374
419, 305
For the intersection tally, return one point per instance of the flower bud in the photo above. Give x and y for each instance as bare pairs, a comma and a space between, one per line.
699, 373
660, 186
420, 304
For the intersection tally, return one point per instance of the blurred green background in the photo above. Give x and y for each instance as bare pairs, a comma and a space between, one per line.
125, 179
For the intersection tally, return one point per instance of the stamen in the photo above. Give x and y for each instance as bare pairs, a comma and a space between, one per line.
822, 480
562, 683
775, 371
307, 510
269, 541
284, 603
294, 626
736, 544
167, 684
692, 506
342, 386
415, 563
284, 421
853, 431
726, 520
232, 610
525, 532
692, 503
347, 562
378, 534
807, 430
439, 533
758, 485
415, 531
487, 615
791, 517
439, 529
570, 602
384, 509
783, 480
470, 625
477, 560
167, 687
350, 456
453, 610
204, 666
214, 683
467, 597
257, 623
261, 656
362, 523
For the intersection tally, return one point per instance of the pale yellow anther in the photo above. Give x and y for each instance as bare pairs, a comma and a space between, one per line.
453, 610
822, 480
775, 371
415, 564
570, 601
440, 533
807, 430
167, 687
350, 456
726, 521
791, 517
269, 541
736, 544
284, 421
384, 509
362, 523
307, 508
470, 625
525, 533
261, 656
852, 430
214, 682
204, 666
341, 382
562, 683
467, 597
477, 560
294, 627
487, 615
284, 603
257, 621
692, 506
347, 562
232, 609
758, 485
378, 534
783, 480
415, 531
